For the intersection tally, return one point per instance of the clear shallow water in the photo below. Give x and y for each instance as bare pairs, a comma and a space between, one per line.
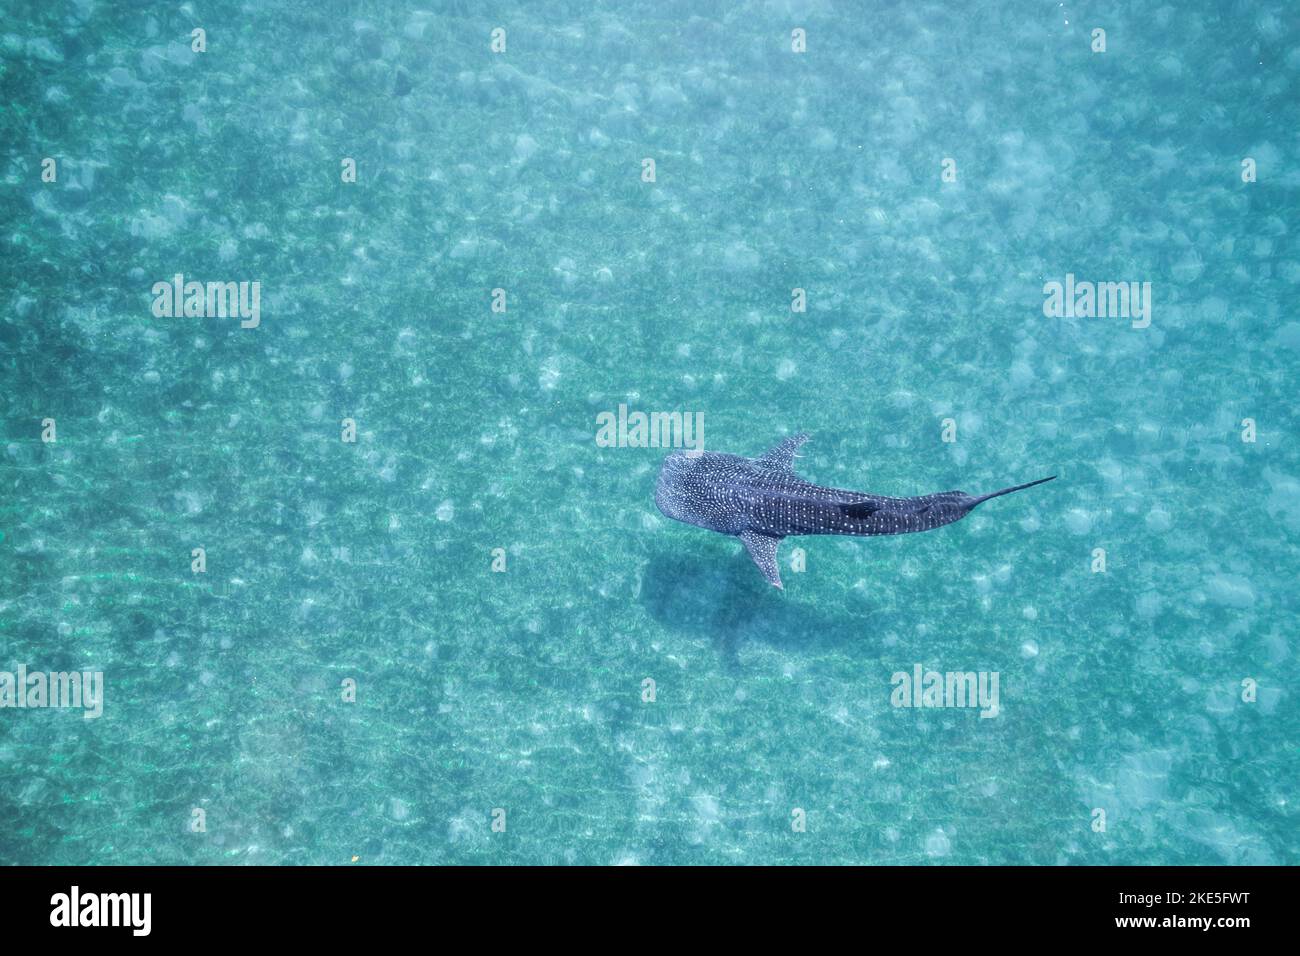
1120, 690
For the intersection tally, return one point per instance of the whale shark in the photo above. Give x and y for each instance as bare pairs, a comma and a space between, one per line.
761, 500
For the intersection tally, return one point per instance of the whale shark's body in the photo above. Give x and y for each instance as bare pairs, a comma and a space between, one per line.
761, 500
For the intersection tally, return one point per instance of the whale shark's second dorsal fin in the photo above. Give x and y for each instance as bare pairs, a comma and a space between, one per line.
781, 457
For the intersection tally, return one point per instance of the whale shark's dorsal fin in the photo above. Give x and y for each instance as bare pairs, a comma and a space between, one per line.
781, 457
861, 509
762, 548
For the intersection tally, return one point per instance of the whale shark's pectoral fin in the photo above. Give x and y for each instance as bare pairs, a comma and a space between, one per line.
781, 457
762, 548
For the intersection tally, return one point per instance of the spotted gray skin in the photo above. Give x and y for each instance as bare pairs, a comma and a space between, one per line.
761, 500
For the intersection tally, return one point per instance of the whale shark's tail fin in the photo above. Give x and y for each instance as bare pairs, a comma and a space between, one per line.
1007, 491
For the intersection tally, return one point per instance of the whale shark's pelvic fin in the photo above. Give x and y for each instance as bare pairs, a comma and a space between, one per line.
782, 456
762, 548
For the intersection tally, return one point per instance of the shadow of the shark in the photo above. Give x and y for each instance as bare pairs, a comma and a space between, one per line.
710, 589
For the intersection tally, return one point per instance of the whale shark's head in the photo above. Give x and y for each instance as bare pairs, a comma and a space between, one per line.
688, 488
671, 495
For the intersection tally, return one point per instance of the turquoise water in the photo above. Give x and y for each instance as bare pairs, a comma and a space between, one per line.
1121, 690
